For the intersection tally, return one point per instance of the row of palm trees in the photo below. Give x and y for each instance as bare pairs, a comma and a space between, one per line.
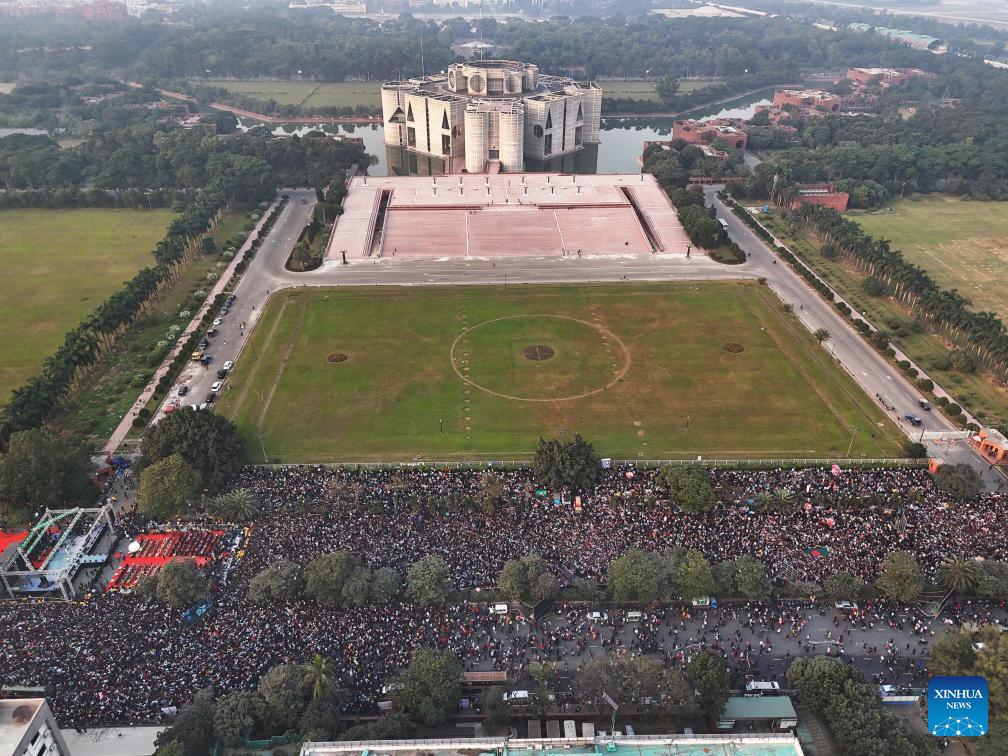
946, 311
63, 372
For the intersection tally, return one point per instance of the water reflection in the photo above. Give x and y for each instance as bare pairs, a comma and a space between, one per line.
622, 142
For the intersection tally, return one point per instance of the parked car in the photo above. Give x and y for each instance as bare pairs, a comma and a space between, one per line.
211, 397
216, 387
500, 609
598, 617
635, 616
230, 300
913, 420
222, 373
228, 365
218, 321
204, 343
846, 606
183, 390
516, 696
197, 356
212, 332
925, 405
206, 360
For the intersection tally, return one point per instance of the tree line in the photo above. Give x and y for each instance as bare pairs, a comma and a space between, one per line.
981, 334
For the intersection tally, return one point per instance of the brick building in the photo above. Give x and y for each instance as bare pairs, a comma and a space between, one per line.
820, 194
709, 131
811, 100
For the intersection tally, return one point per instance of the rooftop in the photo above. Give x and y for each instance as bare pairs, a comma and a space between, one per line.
643, 745
15, 716
759, 707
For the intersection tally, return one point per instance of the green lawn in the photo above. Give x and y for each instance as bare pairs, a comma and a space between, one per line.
640, 369
645, 90
58, 266
110, 390
309, 94
975, 392
962, 244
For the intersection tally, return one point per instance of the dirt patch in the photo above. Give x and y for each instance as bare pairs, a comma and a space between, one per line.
337, 357
733, 347
538, 353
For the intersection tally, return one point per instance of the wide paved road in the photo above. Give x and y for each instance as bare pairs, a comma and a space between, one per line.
267, 274
266, 270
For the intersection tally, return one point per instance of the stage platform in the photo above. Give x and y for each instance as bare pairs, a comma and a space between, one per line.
505, 215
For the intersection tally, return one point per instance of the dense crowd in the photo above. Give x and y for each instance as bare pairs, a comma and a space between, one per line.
118, 658
850, 520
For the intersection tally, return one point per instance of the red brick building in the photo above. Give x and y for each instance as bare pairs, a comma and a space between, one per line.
812, 100
707, 132
820, 194
886, 77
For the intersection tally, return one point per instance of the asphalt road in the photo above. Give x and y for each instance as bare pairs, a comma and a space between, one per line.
264, 275
267, 274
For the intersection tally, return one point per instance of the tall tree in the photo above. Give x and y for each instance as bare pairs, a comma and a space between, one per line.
634, 576
168, 488
690, 487
315, 676
428, 689
41, 470
428, 581
566, 464
207, 441
901, 578
707, 674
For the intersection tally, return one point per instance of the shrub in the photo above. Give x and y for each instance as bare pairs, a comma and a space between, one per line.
925, 384
953, 409
963, 361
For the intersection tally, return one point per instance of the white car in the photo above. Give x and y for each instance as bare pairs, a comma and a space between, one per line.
846, 606
228, 365
216, 387
217, 321
598, 617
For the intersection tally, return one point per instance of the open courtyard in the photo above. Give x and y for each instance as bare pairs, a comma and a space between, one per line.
644, 371
962, 244
60, 265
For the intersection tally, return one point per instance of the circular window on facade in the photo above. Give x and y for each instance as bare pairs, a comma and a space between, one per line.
538, 131
476, 83
451, 79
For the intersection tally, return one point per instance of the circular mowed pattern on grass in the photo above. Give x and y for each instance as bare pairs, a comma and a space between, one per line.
538, 353
337, 357
539, 358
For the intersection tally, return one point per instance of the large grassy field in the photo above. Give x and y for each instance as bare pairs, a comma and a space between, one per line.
962, 244
58, 265
974, 391
641, 370
645, 90
309, 94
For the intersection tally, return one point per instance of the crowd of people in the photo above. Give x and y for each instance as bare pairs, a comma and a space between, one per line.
848, 520
114, 658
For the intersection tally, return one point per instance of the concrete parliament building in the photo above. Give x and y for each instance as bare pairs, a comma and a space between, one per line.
490, 116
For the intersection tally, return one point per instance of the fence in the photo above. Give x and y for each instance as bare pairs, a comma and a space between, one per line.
513, 463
